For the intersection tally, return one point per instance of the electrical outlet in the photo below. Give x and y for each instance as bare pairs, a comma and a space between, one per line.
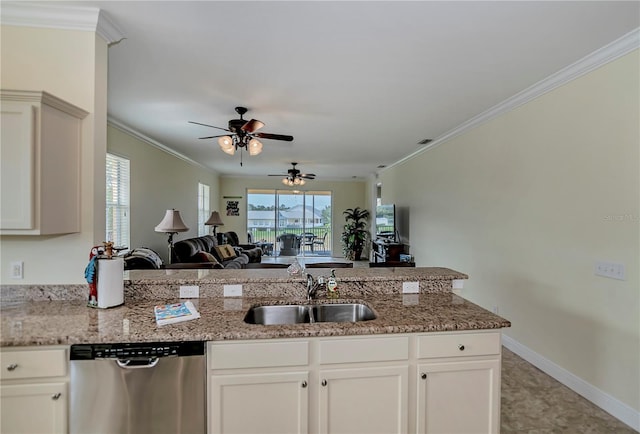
612, 270
189, 291
232, 290
410, 287
17, 270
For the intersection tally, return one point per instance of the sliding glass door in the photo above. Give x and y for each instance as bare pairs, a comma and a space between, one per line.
292, 222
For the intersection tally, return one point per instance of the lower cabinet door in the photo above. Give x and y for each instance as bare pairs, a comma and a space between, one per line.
363, 400
459, 397
261, 403
33, 408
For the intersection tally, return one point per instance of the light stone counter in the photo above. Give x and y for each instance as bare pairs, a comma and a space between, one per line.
58, 315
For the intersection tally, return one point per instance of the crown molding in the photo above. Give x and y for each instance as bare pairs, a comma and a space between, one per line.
149, 141
610, 52
52, 16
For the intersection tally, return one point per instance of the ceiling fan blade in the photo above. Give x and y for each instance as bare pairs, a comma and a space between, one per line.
307, 175
274, 136
213, 137
283, 174
252, 125
210, 126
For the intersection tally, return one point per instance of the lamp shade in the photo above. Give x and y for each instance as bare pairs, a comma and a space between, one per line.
255, 147
214, 219
172, 222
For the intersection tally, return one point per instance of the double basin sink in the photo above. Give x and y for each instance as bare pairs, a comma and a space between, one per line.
310, 313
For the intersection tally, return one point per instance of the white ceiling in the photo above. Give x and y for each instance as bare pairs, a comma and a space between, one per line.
357, 84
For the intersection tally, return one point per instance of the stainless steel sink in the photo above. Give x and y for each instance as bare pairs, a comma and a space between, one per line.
301, 314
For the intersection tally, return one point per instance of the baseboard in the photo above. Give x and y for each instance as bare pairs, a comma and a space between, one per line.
608, 403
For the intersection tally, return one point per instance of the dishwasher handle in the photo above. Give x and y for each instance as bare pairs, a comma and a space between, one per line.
138, 363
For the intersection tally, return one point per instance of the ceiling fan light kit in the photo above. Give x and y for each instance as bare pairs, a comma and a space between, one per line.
243, 135
293, 182
294, 178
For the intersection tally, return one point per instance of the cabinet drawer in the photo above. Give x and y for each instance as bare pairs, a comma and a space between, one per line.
263, 354
458, 345
364, 350
34, 363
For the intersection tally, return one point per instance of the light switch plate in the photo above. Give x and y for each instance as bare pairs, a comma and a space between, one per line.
410, 287
612, 270
189, 291
232, 290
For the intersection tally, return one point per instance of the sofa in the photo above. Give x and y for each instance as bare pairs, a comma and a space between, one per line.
199, 252
205, 251
253, 251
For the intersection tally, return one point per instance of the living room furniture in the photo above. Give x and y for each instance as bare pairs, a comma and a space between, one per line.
329, 265
319, 242
171, 224
289, 244
392, 264
253, 251
143, 258
215, 221
200, 250
386, 251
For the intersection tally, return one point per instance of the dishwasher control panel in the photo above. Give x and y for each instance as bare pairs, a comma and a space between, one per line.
133, 350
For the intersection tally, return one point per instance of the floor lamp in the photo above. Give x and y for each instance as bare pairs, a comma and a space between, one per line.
171, 224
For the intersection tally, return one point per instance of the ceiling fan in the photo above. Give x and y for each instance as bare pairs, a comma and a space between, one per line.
243, 135
294, 177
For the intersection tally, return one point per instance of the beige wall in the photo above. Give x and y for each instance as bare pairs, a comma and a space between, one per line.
345, 194
160, 181
71, 65
526, 203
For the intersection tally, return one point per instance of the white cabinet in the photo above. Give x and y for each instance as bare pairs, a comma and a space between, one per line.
258, 387
33, 390
334, 385
363, 384
40, 142
363, 400
458, 383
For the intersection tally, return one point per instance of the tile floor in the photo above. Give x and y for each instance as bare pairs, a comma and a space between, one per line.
533, 402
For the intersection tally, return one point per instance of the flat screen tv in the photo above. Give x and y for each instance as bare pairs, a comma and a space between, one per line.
386, 222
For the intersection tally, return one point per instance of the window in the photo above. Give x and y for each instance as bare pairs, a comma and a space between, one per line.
118, 200
203, 208
271, 213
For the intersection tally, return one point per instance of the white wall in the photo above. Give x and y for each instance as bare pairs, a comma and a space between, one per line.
345, 194
71, 65
160, 181
526, 203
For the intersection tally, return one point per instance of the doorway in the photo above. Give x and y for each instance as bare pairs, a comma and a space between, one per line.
290, 222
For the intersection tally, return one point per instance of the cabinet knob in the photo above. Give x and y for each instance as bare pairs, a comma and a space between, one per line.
12, 367
461, 347
324, 382
423, 376
56, 396
304, 384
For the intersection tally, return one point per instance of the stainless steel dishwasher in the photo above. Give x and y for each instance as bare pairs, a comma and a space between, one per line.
157, 387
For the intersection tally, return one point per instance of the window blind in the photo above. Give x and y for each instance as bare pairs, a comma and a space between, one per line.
117, 203
203, 208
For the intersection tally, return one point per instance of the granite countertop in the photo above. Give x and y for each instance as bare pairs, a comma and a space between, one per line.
58, 314
69, 322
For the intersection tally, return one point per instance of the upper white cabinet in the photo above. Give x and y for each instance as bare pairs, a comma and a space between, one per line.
40, 165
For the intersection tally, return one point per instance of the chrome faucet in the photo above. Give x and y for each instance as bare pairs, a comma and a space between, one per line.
312, 286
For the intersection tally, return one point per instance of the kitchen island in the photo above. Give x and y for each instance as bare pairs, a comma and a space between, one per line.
434, 334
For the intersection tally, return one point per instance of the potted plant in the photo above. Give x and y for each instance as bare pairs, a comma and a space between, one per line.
355, 232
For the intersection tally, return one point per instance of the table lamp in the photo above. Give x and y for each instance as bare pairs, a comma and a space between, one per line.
171, 224
215, 221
